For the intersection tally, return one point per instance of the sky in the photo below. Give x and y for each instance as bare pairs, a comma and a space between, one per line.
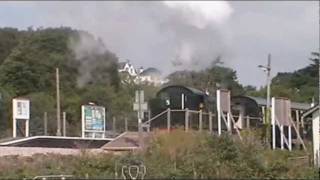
177, 35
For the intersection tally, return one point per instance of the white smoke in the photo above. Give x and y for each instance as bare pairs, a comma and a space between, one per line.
187, 34
202, 13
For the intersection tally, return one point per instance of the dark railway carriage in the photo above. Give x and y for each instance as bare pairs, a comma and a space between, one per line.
178, 97
182, 97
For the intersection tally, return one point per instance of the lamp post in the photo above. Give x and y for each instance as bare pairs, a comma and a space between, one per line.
267, 69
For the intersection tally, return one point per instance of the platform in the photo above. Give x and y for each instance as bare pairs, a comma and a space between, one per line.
57, 142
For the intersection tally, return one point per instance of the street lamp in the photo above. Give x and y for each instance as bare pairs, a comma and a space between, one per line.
267, 69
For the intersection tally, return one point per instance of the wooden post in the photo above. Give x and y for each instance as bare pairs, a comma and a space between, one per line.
219, 122
58, 102
210, 122
248, 122
168, 119
281, 137
229, 123
289, 138
298, 120
263, 114
27, 128
45, 123
302, 121
273, 123
186, 120
64, 116
114, 124
126, 124
200, 120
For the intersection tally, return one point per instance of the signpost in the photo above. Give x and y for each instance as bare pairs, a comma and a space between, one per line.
93, 121
140, 106
21, 111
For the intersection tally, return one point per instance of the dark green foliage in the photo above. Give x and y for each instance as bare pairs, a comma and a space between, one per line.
300, 85
9, 39
88, 72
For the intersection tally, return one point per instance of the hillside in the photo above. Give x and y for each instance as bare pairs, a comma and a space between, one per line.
88, 72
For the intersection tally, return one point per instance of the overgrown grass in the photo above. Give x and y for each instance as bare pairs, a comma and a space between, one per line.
172, 155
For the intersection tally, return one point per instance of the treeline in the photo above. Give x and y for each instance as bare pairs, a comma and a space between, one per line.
300, 85
88, 73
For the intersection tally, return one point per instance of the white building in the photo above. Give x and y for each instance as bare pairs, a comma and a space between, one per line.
127, 67
146, 76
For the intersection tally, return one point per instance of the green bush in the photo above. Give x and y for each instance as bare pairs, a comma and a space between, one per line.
172, 155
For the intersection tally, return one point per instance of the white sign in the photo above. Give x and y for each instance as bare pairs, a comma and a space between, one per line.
93, 121
21, 108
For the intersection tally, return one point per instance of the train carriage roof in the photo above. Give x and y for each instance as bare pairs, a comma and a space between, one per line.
190, 89
263, 102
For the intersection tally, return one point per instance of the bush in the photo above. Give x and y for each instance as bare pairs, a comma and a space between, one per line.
177, 154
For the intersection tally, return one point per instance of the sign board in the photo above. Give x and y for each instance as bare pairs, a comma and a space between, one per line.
21, 112
140, 106
93, 119
21, 108
224, 100
282, 111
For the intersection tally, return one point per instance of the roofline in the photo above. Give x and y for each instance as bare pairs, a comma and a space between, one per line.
181, 86
292, 102
310, 111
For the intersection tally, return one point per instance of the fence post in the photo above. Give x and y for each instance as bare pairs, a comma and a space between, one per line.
168, 119
126, 124
64, 117
114, 124
229, 123
200, 120
187, 120
45, 123
248, 122
210, 122
219, 122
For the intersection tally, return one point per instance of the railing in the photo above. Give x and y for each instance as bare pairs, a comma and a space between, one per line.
228, 119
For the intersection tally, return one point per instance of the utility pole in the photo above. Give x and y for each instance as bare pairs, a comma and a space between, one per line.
58, 102
268, 98
319, 62
267, 69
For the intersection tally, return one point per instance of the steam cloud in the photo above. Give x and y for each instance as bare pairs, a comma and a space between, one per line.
180, 35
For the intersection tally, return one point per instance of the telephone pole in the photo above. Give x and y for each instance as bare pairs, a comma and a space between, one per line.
267, 69
58, 102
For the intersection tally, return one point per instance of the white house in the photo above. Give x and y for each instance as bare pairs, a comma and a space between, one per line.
127, 67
